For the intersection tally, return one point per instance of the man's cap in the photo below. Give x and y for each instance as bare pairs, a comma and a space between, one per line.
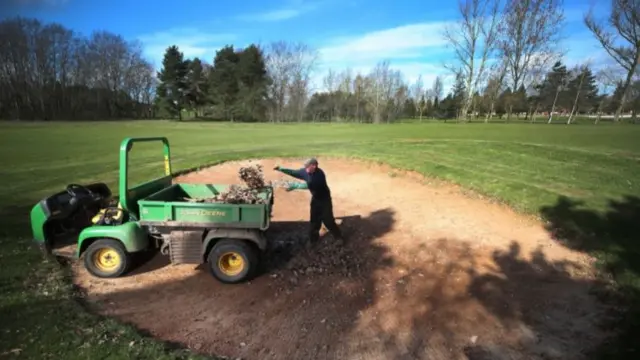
311, 161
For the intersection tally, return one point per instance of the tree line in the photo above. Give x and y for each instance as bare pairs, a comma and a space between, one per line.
49, 72
507, 63
254, 83
507, 59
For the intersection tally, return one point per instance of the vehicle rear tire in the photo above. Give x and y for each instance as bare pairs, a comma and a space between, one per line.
232, 261
106, 258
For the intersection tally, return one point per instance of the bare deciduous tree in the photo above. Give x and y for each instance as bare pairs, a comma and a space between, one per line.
377, 81
608, 78
494, 86
530, 34
331, 84
290, 66
623, 25
345, 82
537, 72
417, 93
581, 73
474, 40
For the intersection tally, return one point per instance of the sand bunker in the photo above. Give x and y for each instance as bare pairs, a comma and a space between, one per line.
428, 273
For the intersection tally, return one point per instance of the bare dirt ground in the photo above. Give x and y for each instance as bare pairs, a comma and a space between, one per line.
428, 273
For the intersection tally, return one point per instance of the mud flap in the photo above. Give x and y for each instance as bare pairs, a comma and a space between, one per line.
185, 247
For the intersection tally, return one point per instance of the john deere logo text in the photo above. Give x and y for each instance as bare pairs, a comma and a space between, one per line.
204, 212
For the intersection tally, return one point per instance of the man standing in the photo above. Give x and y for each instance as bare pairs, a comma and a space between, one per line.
321, 204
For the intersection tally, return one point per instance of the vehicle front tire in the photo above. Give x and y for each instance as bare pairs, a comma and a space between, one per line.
106, 258
232, 261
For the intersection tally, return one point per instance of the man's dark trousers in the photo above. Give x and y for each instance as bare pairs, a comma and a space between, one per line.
322, 213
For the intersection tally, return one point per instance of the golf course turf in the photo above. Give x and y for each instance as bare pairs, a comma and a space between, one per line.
583, 179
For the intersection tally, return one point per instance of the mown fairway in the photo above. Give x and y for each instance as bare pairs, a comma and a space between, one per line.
530, 167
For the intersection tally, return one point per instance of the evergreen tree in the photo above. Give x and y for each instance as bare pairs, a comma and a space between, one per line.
505, 102
458, 93
519, 100
584, 87
615, 98
553, 89
253, 83
197, 85
409, 109
172, 88
223, 81
448, 107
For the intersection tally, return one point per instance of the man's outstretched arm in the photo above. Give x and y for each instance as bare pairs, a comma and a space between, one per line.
296, 173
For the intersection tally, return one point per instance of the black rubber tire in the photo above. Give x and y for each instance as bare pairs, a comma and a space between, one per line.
240, 247
114, 245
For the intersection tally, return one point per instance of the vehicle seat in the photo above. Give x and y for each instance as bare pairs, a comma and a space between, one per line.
113, 215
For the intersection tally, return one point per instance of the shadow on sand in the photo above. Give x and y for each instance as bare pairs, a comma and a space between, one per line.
364, 300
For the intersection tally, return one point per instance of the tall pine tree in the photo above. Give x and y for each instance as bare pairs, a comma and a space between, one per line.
553, 89
172, 88
584, 91
253, 81
223, 81
458, 93
197, 85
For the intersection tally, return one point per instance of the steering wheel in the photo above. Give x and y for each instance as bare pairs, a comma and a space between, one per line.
72, 189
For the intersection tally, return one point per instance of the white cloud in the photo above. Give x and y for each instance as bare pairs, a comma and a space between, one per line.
294, 9
414, 49
407, 41
190, 41
273, 15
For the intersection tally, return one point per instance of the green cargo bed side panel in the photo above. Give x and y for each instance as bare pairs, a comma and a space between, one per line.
133, 237
170, 206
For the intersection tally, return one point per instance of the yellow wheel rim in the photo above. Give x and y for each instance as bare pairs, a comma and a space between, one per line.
106, 259
231, 263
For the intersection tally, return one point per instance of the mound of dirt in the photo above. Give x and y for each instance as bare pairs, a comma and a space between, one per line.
427, 273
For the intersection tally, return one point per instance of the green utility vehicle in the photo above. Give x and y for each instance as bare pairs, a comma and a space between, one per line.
86, 220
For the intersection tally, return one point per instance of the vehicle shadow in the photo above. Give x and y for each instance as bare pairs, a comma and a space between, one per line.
613, 235
286, 241
148, 261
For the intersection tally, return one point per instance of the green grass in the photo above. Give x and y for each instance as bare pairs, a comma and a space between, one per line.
530, 167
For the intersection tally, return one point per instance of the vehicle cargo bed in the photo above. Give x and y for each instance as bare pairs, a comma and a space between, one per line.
170, 207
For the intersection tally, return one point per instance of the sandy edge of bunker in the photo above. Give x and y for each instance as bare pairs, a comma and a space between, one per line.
471, 276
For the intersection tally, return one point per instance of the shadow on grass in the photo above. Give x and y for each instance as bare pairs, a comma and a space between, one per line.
15, 220
613, 237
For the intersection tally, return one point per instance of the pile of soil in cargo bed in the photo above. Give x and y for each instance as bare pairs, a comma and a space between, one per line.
426, 273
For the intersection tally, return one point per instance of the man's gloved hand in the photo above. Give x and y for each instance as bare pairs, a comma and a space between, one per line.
296, 186
277, 167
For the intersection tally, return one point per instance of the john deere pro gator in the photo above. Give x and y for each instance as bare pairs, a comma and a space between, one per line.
88, 221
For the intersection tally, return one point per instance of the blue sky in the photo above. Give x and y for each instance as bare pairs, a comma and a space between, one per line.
347, 33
